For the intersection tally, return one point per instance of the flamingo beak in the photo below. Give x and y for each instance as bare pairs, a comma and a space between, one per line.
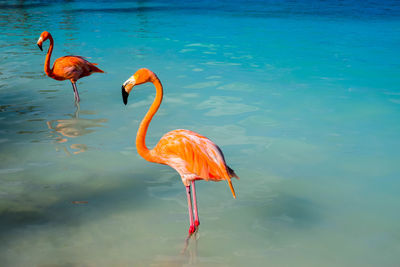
127, 88
124, 95
39, 43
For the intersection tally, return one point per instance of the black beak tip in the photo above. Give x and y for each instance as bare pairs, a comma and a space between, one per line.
40, 47
124, 95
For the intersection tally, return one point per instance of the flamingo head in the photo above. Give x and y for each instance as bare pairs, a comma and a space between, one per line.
141, 76
43, 37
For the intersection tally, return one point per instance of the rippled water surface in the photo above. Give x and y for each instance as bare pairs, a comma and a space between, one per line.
303, 98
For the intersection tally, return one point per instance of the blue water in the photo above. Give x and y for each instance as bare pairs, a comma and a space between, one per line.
303, 97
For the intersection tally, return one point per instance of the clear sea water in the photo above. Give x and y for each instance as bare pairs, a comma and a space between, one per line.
303, 97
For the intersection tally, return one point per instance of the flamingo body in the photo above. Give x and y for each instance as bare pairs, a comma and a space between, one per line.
192, 155
72, 68
68, 67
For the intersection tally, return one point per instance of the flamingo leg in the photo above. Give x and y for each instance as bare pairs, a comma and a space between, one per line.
75, 92
191, 227
196, 214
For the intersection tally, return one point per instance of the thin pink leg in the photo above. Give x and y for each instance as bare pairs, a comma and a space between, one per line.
76, 94
191, 227
196, 214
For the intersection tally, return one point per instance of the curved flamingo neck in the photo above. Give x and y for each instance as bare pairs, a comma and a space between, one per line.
144, 125
47, 68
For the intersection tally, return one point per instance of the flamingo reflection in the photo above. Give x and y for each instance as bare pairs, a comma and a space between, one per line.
65, 129
190, 248
187, 257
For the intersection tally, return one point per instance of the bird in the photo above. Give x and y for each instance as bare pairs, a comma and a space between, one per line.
68, 67
193, 156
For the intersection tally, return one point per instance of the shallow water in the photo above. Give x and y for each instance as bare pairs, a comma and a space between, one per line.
302, 97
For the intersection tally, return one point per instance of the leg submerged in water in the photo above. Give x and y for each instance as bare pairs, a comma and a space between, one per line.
190, 209
196, 214
76, 94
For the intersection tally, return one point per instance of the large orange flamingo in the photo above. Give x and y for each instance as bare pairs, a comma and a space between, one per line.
192, 155
66, 68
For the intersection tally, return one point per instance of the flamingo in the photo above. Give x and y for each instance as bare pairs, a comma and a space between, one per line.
68, 67
192, 155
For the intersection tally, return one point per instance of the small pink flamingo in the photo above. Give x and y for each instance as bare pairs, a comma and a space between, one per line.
192, 155
66, 68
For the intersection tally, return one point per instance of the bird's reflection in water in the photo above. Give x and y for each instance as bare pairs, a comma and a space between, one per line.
186, 257
189, 250
65, 129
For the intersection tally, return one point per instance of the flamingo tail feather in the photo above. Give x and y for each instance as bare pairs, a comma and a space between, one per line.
95, 69
231, 187
232, 173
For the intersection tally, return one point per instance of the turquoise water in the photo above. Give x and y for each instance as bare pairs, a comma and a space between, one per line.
302, 97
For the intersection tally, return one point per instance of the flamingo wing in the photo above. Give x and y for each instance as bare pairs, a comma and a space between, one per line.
73, 67
193, 153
